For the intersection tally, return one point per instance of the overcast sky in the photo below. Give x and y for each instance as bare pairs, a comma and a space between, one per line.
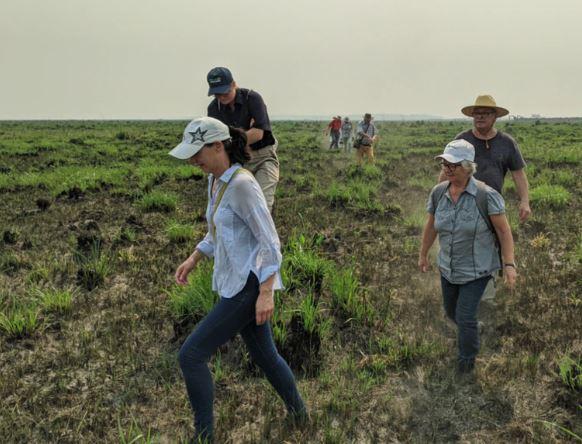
106, 59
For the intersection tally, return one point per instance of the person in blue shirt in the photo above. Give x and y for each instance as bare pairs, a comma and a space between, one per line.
468, 254
245, 246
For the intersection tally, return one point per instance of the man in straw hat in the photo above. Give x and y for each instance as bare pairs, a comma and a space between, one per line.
496, 152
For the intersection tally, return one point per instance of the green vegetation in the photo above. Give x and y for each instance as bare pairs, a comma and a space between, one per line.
96, 217
178, 232
554, 196
19, 322
53, 300
196, 298
348, 295
158, 201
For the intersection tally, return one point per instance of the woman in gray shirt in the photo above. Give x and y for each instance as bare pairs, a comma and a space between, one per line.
468, 254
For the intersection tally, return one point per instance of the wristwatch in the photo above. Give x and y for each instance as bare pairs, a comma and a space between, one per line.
510, 264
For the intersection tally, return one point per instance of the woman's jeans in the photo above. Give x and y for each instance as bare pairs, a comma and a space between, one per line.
461, 303
227, 318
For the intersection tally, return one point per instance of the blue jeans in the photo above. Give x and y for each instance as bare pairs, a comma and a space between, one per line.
335, 137
461, 303
227, 318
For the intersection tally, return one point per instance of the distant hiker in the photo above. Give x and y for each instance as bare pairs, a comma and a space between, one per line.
366, 136
496, 152
333, 129
245, 246
347, 129
245, 108
468, 216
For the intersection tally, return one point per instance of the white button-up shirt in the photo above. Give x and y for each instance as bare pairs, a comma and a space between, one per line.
246, 239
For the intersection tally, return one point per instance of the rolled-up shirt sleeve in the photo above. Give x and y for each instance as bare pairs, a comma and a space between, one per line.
252, 209
495, 202
206, 246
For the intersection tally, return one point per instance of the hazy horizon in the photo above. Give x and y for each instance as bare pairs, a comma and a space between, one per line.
148, 60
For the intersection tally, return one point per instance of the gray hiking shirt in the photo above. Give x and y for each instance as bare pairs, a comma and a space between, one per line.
467, 245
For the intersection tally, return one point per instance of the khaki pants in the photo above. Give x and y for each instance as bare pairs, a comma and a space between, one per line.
364, 150
264, 165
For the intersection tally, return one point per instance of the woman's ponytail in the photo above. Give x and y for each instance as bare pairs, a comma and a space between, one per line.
236, 147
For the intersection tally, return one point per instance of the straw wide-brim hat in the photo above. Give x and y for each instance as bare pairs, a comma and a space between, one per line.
485, 101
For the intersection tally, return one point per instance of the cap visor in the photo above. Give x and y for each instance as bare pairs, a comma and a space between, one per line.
449, 158
218, 90
184, 151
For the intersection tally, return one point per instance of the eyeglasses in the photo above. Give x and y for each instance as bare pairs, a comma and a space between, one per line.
483, 113
450, 166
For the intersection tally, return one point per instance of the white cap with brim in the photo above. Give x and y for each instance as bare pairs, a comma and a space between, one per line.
457, 151
198, 133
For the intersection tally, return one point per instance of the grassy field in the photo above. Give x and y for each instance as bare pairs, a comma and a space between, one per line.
95, 217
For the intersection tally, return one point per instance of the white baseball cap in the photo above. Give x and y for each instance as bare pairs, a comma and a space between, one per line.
457, 151
198, 133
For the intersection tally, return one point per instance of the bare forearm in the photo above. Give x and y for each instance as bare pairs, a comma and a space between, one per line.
521, 185
506, 241
254, 135
429, 235
268, 284
505, 237
197, 256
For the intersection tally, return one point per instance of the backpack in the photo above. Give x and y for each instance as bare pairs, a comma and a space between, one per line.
481, 201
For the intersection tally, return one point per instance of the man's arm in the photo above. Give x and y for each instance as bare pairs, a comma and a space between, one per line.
522, 188
254, 135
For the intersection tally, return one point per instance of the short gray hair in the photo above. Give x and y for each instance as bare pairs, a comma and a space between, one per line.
469, 167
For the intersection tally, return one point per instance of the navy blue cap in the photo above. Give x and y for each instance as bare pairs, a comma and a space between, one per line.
219, 80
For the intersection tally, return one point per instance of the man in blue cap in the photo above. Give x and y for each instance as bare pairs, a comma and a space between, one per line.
244, 108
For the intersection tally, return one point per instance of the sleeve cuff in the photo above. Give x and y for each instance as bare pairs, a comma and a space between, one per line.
267, 272
205, 248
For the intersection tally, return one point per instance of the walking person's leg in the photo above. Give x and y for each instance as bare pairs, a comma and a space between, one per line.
259, 341
466, 317
265, 167
360, 154
450, 296
227, 317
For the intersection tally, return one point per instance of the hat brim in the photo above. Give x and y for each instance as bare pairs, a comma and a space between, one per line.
222, 89
499, 111
184, 151
450, 158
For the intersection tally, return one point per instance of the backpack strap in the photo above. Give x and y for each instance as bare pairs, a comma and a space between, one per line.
481, 201
438, 193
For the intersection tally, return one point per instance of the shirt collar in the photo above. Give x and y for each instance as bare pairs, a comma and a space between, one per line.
227, 175
238, 98
471, 188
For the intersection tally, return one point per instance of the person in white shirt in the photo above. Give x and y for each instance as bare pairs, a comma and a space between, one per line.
245, 246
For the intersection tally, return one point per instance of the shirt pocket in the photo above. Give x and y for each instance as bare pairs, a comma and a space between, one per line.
443, 218
467, 215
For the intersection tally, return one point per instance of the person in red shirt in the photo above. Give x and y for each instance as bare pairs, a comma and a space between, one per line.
334, 128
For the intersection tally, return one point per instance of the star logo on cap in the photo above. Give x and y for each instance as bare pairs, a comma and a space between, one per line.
197, 135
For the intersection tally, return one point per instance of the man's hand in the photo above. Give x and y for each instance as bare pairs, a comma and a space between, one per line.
524, 211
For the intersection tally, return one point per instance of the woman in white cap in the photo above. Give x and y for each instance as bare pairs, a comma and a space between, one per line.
469, 218
245, 246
